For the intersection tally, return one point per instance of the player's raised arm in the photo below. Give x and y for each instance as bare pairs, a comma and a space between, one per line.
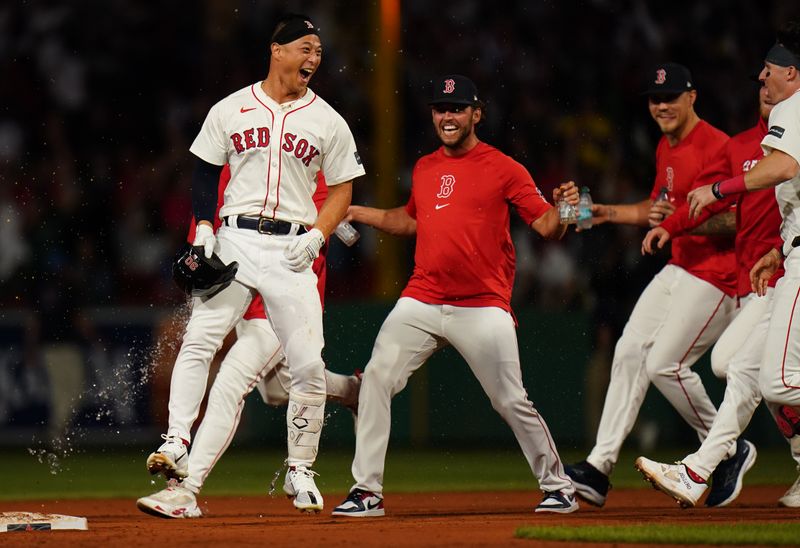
394, 221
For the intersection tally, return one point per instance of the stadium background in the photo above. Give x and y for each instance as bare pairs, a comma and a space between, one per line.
101, 100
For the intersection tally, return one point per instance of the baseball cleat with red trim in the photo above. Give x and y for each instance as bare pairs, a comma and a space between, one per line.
170, 459
672, 479
360, 504
174, 502
791, 498
300, 487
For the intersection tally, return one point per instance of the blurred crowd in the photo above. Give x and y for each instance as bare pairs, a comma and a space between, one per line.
102, 99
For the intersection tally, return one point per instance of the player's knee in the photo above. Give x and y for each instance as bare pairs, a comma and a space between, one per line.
719, 362
308, 378
628, 354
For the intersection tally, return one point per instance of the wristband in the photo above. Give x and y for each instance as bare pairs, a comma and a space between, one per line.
715, 191
734, 185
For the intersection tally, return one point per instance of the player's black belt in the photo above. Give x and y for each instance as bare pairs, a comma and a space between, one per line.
263, 225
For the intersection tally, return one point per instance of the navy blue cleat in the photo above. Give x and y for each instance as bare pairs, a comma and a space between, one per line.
590, 483
360, 504
558, 502
726, 480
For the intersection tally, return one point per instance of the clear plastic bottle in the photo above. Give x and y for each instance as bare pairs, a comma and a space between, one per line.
663, 195
346, 233
584, 217
566, 212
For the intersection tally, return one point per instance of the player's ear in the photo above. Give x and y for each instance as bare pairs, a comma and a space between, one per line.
477, 114
692, 97
275, 49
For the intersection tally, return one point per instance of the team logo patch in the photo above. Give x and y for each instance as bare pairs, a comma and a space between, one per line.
661, 76
449, 85
670, 178
358, 158
777, 131
447, 186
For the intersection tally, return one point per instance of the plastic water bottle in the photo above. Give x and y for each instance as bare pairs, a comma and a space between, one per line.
663, 195
346, 233
566, 212
584, 220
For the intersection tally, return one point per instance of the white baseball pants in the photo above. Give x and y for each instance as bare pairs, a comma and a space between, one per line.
486, 338
293, 305
780, 370
676, 319
747, 334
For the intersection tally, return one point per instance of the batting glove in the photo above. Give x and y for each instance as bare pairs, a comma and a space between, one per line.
303, 250
204, 237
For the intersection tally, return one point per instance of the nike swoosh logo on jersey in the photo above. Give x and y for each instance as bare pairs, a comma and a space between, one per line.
440, 206
243, 110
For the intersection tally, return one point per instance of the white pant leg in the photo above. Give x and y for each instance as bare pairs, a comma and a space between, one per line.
408, 337
254, 354
211, 320
736, 333
698, 314
742, 394
629, 382
780, 370
274, 387
486, 338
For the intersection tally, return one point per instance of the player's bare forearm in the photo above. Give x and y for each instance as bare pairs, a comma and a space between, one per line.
722, 224
549, 225
334, 208
394, 221
626, 214
771, 171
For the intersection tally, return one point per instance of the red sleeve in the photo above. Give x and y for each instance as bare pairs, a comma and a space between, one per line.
522, 192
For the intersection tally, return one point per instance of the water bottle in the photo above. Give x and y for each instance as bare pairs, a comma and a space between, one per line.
566, 212
346, 233
663, 195
584, 220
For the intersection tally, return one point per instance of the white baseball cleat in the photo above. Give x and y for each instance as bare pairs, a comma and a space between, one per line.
170, 459
673, 480
174, 502
300, 487
791, 498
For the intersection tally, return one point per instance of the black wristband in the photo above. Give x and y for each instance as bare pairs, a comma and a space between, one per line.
715, 191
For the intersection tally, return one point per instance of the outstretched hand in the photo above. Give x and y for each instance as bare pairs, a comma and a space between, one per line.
657, 235
699, 198
763, 270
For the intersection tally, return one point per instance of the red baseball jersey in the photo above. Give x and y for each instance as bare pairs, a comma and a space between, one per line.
710, 258
464, 255
256, 308
758, 218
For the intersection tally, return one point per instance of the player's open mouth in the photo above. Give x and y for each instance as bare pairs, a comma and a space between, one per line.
305, 74
449, 129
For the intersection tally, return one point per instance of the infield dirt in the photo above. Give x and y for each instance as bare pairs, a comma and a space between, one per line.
433, 519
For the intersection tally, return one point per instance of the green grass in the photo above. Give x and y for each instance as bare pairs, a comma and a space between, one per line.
775, 534
95, 473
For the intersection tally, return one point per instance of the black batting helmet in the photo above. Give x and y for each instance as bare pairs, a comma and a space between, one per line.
201, 277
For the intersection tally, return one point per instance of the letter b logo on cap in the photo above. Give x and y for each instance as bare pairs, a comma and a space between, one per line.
449, 85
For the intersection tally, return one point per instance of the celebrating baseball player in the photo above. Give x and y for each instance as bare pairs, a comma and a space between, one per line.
737, 354
459, 293
276, 135
254, 360
684, 308
779, 377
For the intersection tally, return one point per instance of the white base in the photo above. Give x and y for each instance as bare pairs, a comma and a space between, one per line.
35, 521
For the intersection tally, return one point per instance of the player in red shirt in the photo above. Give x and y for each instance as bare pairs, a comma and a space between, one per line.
459, 293
255, 360
684, 308
738, 353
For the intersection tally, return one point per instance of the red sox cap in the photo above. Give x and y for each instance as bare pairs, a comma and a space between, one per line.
668, 79
454, 89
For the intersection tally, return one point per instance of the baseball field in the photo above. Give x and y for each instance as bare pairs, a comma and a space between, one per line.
447, 497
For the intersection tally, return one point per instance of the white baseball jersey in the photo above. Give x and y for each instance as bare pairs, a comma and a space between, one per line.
275, 151
784, 135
